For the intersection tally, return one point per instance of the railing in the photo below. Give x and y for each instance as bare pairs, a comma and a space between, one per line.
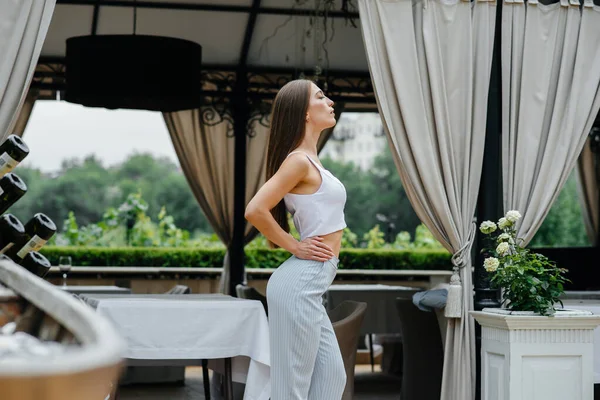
427, 278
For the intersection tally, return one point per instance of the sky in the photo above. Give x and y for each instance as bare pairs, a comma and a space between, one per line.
58, 130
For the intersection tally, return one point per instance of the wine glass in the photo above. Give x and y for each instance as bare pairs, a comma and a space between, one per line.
64, 264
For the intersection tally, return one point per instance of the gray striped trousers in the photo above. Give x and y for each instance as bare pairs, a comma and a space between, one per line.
306, 363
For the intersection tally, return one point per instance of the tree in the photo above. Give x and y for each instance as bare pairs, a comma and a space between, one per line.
359, 210
375, 193
82, 187
31, 202
143, 166
563, 226
87, 188
176, 195
162, 184
389, 198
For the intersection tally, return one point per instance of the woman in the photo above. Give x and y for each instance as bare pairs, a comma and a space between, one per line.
306, 362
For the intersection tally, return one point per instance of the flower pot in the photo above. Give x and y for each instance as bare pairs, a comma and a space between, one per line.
525, 356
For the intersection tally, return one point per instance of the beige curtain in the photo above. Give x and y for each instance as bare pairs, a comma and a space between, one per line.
23, 27
326, 134
587, 185
206, 155
24, 114
550, 98
430, 64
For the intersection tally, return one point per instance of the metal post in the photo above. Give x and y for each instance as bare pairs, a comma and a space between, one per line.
489, 205
241, 115
595, 148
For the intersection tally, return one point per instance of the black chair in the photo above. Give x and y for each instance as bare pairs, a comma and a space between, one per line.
391, 358
347, 319
249, 293
423, 353
179, 289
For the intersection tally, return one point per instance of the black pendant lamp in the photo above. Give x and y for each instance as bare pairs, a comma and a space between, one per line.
139, 72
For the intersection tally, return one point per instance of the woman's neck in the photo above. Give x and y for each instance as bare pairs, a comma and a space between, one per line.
309, 143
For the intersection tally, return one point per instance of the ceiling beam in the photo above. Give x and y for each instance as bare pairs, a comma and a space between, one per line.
249, 68
249, 33
368, 99
95, 17
209, 7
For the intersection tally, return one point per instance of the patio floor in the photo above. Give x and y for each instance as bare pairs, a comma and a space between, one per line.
368, 386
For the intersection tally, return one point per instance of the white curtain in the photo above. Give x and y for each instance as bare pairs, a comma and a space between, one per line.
587, 187
20, 123
550, 78
205, 148
430, 64
23, 27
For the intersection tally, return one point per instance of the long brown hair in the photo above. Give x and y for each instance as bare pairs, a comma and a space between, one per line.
287, 131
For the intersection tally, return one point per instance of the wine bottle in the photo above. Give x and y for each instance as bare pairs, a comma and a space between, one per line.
11, 231
38, 230
36, 263
12, 151
12, 188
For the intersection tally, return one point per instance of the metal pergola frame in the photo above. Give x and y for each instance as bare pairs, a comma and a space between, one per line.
242, 93
343, 86
253, 9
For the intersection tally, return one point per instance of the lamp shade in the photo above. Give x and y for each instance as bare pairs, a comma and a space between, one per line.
133, 71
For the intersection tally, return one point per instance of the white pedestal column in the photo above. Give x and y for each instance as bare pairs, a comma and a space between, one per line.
530, 357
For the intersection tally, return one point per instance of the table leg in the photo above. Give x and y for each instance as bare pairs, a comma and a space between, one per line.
371, 352
206, 379
228, 380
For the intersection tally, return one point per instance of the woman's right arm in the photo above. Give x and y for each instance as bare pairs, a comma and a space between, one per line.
258, 212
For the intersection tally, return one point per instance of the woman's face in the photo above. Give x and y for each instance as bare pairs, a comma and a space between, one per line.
320, 110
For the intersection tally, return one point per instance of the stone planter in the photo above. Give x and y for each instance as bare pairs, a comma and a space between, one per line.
530, 357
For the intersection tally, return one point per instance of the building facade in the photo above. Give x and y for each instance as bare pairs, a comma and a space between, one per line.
357, 138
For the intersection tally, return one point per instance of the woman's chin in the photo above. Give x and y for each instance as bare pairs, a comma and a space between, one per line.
328, 125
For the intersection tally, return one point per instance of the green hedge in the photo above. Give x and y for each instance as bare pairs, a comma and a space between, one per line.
255, 258
395, 259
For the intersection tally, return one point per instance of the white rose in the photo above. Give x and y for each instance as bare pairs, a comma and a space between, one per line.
503, 223
502, 249
513, 216
487, 227
491, 264
505, 237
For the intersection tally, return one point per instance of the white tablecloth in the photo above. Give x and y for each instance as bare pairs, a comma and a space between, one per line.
581, 295
83, 289
593, 306
193, 327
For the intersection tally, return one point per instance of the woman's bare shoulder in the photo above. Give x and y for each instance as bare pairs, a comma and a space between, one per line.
296, 163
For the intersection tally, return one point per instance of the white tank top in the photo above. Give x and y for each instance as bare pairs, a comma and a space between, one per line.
319, 213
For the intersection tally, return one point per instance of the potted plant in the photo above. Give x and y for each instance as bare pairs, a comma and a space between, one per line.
529, 281
531, 349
